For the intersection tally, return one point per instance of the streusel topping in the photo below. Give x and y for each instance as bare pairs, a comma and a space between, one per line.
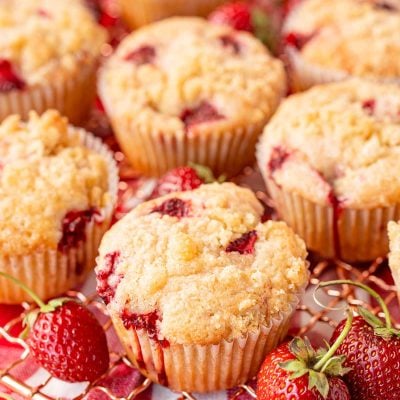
200, 265
176, 74
45, 172
43, 38
360, 37
340, 139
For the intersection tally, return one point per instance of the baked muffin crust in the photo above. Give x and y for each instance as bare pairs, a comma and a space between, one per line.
43, 39
200, 266
359, 37
45, 173
337, 141
175, 75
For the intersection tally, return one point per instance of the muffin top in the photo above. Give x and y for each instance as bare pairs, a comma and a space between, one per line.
200, 266
394, 255
182, 74
41, 40
340, 140
358, 37
50, 184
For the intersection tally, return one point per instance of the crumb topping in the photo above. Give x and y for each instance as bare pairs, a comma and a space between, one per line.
361, 37
163, 76
341, 137
45, 172
43, 38
216, 274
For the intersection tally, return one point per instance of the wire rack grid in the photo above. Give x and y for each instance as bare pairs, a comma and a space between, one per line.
308, 312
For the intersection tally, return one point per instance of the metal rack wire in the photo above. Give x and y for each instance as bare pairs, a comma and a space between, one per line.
311, 313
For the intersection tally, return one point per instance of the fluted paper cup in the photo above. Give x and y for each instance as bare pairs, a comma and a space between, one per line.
154, 153
204, 368
71, 94
394, 255
303, 74
349, 234
51, 272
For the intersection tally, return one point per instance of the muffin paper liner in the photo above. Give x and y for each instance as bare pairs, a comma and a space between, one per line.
154, 153
141, 12
393, 261
72, 95
204, 368
303, 75
352, 234
396, 278
51, 272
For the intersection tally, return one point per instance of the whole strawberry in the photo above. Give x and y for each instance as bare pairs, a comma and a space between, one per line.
237, 15
372, 350
70, 343
244, 16
9, 79
65, 338
182, 179
296, 371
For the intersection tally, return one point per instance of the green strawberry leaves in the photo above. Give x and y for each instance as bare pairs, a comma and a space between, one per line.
307, 361
206, 173
379, 326
52, 305
30, 318
264, 28
302, 349
319, 381
334, 366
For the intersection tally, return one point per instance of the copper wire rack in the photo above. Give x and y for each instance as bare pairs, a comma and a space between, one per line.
310, 319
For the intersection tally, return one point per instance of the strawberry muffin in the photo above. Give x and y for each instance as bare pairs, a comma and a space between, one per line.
57, 191
195, 281
141, 12
330, 159
48, 57
328, 40
394, 255
185, 90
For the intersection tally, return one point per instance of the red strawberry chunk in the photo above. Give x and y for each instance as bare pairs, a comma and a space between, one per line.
236, 15
382, 5
174, 208
177, 180
73, 227
9, 80
204, 112
279, 155
43, 13
105, 288
142, 55
146, 321
296, 40
245, 244
229, 42
369, 106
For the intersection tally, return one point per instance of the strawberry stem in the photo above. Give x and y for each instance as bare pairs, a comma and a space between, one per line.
25, 288
324, 361
366, 288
